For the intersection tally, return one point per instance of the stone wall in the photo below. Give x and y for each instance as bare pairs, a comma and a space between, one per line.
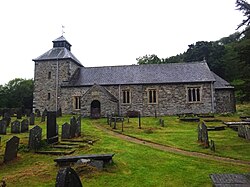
225, 101
172, 99
44, 85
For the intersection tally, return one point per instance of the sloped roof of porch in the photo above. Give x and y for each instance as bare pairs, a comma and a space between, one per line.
103, 90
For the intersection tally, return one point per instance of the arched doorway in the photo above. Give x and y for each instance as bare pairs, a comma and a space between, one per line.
95, 109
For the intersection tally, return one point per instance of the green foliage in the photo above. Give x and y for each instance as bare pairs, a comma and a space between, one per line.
17, 93
149, 59
243, 6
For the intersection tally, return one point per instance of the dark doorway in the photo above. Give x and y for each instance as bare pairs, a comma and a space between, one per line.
95, 109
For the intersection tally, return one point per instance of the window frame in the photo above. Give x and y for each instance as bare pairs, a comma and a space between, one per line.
77, 102
194, 94
152, 96
127, 99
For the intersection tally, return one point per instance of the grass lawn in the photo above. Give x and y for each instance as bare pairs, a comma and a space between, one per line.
134, 165
184, 135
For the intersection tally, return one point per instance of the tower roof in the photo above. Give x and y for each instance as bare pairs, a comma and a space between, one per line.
60, 50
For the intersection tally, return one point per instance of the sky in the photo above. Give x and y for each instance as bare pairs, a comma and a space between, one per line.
110, 32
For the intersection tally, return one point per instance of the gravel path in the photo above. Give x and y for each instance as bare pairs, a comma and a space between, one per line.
172, 149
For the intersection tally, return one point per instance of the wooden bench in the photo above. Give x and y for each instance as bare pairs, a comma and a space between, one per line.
64, 161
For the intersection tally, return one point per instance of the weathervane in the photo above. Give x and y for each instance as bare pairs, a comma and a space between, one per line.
63, 30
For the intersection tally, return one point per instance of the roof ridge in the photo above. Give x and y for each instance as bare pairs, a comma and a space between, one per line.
181, 63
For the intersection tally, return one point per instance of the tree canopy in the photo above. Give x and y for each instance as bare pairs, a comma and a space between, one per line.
17, 93
244, 6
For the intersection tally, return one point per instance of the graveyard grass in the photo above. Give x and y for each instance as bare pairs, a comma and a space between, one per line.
134, 165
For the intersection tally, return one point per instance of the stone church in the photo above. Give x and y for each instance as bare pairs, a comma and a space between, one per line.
61, 81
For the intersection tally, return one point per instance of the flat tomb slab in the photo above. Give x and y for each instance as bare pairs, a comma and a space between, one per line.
106, 158
242, 180
237, 123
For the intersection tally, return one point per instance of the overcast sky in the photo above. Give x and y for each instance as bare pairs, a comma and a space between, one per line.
108, 32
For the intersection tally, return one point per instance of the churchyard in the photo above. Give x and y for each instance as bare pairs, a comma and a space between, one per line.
134, 164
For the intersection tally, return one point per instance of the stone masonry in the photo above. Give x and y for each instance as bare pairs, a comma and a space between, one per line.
58, 67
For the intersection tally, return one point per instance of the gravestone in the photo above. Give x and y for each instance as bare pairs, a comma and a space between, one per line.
43, 117
15, 127
59, 112
78, 126
244, 131
3, 127
44, 114
205, 135
212, 145
73, 127
67, 177
11, 149
32, 119
25, 125
199, 133
35, 138
7, 118
19, 114
38, 113
241, 131
65, 131
28, 112
247, 132
162, 122
52, 135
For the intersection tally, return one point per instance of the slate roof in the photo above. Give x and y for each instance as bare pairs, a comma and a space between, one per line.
58, 53
221, 83
143, 74
60, 39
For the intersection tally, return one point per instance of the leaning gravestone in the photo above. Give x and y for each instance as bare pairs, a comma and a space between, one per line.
65, 131
11, 149
3, 127
52, 135
205, 135
67, 177
73, 127
15, 127
35, 138
199, 133
32, 119
25, 125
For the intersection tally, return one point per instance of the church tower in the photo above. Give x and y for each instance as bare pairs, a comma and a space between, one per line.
52, 69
